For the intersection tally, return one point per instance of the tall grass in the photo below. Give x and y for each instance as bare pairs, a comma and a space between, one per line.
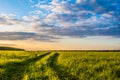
24, 65
14, 63
92, 65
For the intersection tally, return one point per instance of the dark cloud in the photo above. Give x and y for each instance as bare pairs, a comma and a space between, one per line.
25, 36
84, 31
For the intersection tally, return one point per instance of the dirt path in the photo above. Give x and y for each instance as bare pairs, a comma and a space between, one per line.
15, 70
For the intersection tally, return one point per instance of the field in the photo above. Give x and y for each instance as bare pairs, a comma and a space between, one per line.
60, 65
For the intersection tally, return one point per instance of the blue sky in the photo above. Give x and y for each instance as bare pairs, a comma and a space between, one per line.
83, 24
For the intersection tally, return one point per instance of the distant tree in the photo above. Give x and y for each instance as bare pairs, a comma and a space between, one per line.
11, 48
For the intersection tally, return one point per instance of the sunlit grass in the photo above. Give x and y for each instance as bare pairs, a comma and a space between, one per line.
25, 65
92, 65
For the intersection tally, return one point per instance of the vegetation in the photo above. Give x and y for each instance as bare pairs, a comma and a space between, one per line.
11, 48
60, 65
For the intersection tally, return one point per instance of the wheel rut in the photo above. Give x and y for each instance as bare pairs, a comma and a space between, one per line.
60, 70
15, 70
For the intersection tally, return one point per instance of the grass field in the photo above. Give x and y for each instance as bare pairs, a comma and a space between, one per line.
23, 65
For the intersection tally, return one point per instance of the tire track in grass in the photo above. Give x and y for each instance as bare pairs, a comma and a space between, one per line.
15, 70
41, 70
60, 71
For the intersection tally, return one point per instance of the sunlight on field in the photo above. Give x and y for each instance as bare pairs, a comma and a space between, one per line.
23, 65
92, 65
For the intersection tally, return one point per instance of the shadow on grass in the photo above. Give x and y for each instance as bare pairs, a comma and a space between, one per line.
16, 70
60, 71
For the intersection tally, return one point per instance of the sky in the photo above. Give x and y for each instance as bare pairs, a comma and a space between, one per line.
60, 24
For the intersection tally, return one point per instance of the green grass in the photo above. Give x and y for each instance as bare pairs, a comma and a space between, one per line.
68, 65
92, 65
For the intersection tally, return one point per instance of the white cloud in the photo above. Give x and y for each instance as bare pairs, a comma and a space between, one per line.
106, 15
78, 1
7, 19
7, 16
9, 23
59, 7
31, 18
37, 23
31, 1
43, 6
94, 18
55, 2
36, 12
55, 7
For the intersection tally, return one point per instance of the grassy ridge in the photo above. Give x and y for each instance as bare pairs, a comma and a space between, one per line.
75, 65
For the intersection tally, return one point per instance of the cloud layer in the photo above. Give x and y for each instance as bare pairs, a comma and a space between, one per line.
51, 19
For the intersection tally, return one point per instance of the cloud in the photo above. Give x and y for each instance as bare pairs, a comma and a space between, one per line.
8, 45
78, 1
55, 6
25, 36
85, 32
7, 19
7, 16
81, 18
31, 18
31, 1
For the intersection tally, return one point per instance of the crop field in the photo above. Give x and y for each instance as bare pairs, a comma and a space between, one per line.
59, 65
